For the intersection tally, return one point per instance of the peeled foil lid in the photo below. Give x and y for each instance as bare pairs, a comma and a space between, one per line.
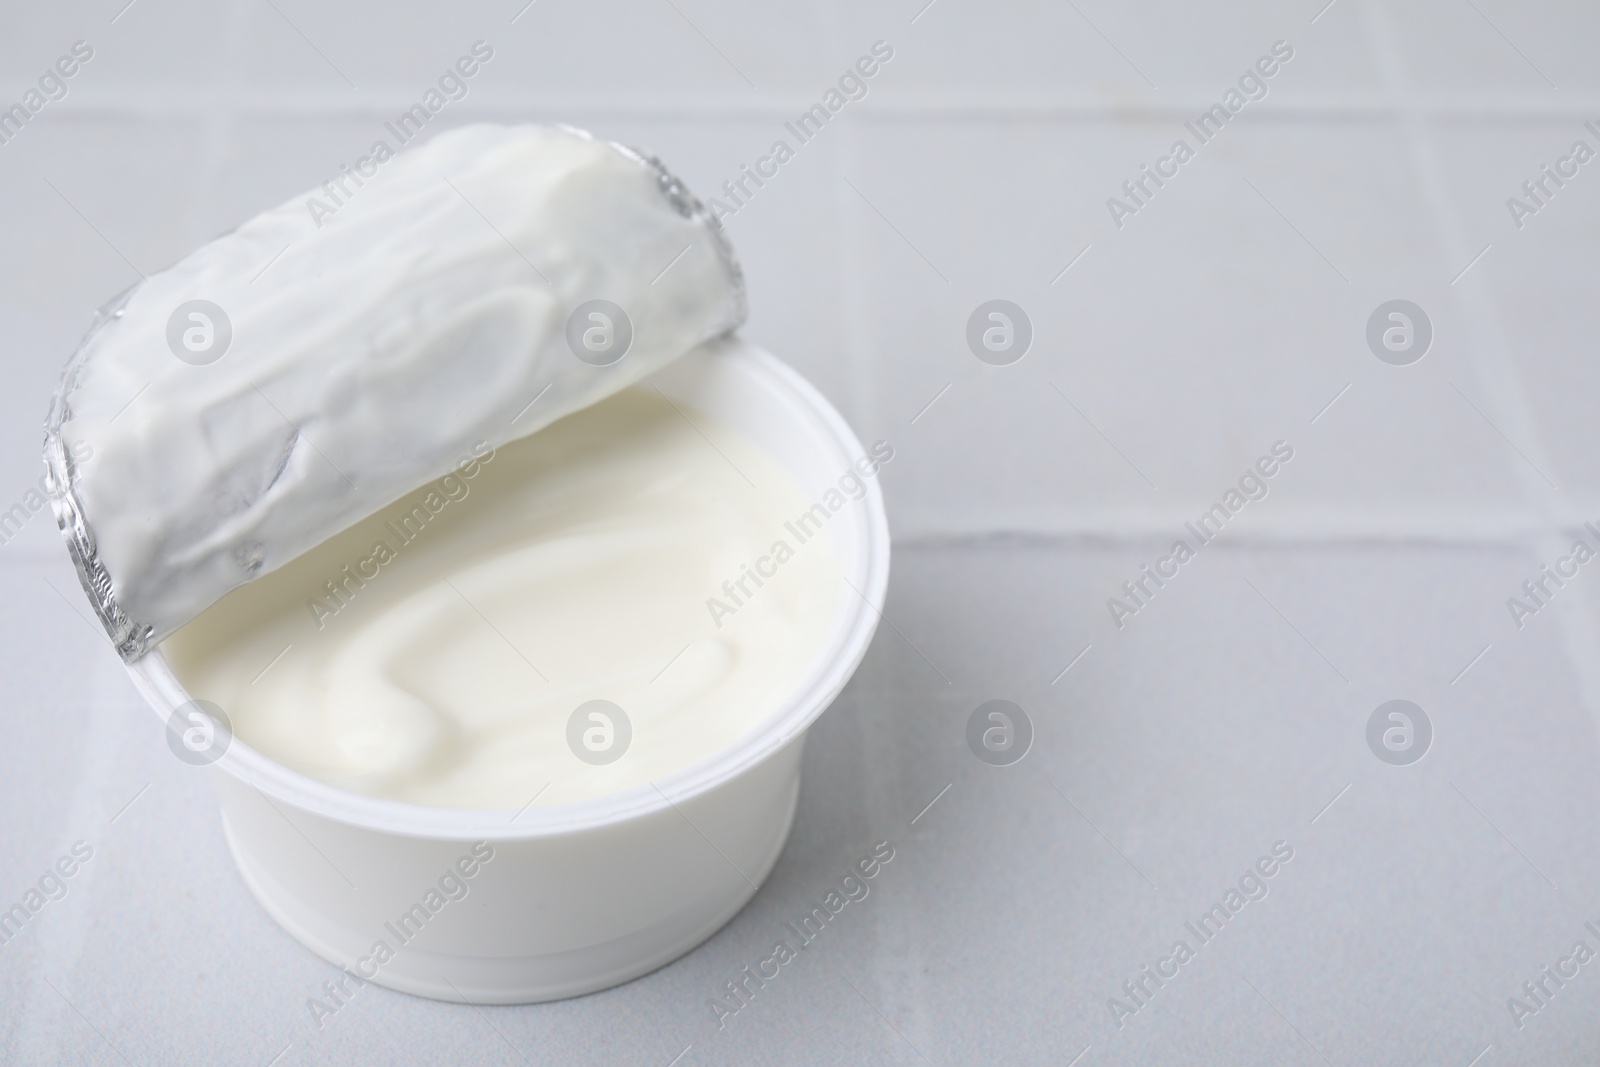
346, 355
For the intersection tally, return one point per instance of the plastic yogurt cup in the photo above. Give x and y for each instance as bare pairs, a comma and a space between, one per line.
510, 907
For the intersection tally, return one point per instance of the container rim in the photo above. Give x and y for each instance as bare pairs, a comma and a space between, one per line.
831, 669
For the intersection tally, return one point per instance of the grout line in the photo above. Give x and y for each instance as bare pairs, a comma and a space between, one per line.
1119, 528
1500, 380
144, 102
861, 321
218, 117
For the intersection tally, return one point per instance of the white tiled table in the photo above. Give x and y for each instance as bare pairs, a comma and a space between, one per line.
1226, 716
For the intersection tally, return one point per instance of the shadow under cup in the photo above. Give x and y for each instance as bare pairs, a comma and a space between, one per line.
471, 906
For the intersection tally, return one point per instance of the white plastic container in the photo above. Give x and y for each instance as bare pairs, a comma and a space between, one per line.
582, 896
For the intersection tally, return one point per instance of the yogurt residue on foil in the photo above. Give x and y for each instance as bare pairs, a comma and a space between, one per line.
294, 376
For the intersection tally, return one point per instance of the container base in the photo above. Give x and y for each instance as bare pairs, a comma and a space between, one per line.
509, 979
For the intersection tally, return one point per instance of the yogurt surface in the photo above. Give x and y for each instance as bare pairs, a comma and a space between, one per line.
438, 651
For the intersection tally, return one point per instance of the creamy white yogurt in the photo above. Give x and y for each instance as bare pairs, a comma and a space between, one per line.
435, 652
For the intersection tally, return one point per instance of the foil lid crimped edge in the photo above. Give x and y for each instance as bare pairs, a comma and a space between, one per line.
130, 636
690, 207
686, 204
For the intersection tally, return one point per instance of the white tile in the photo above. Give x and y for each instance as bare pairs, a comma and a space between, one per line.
1093, 53
1536, 280
1498, 45
1202, 331
73, 241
